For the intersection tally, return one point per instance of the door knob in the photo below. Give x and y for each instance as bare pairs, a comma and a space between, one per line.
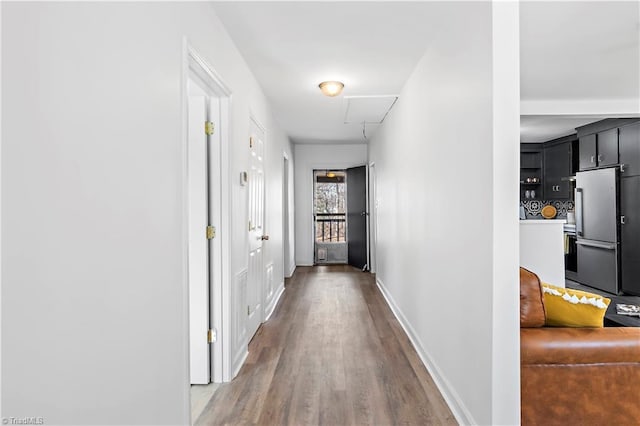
264, 237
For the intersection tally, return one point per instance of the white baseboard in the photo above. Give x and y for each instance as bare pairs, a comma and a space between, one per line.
242, 354
240, 359
274, 301
304, 264
292, 271
451, 397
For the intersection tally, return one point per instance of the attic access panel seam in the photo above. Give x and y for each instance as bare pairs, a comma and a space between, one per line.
368, 109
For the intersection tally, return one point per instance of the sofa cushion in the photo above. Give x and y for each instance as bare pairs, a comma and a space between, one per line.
566, 307
532, 311
572, 346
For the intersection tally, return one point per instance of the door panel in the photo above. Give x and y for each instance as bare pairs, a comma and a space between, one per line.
598, 208
256, 229
587, 152
597, 267
198, 243
254, 293
357, 216
630, 149
557, 169
608, 148
630, 234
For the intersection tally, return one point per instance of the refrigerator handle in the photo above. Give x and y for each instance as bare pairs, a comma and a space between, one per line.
579, 228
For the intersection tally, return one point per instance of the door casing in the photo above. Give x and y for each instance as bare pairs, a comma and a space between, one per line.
193, 66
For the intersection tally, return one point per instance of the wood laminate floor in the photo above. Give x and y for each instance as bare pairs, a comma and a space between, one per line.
332, 354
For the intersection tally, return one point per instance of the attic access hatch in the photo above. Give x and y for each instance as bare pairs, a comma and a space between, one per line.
368, 109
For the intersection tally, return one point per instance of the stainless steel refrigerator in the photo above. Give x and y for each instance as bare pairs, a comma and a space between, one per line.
598, 248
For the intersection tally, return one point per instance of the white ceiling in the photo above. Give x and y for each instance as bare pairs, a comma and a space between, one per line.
367, 109
572, 53
579, 50
292, 46
575, 57
543, 128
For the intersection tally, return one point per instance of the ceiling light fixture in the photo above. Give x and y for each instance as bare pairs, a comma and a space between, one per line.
331, 88
330, 174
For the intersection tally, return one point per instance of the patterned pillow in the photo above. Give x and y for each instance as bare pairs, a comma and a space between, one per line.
573, 308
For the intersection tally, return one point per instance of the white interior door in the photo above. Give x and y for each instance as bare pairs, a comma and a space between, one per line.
256, 229
200, 367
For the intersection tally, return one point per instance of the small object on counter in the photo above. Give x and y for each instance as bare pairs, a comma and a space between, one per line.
571, 217
631, 310
548, 212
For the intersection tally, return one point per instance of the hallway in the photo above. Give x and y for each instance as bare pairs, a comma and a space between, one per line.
333, 354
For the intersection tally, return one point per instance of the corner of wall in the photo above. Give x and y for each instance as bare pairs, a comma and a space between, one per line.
451, 397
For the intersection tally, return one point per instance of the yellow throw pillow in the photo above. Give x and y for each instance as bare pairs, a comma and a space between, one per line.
573, 308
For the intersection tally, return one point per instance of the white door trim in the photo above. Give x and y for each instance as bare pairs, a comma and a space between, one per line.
373, 216
220, 195
286, 219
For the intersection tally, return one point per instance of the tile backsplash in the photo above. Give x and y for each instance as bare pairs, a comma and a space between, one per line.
532, 208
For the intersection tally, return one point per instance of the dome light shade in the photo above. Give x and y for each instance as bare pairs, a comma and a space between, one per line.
331, 88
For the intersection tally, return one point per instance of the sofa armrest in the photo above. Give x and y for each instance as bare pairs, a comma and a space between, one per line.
551, 345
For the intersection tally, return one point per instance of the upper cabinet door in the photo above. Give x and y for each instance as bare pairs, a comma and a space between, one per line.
588, 159
608, 147
557, 169
630, 149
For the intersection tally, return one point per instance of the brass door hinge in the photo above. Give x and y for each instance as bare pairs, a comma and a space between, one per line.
211, 336
209, 127
211, 232
251, 142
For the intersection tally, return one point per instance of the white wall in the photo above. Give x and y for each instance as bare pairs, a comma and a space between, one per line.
438, 193
276, 140
93, 279
307, 158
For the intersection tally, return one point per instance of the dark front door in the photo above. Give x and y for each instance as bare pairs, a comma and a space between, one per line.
357, 216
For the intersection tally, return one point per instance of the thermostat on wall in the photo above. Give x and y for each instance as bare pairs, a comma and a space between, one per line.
244, 177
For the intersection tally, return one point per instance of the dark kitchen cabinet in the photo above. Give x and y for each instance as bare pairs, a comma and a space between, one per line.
608, 148
588, 158
558, 168
599, 149
629, 144
531, 157
630, 234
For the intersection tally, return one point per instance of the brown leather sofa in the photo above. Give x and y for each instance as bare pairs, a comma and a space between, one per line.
575, 376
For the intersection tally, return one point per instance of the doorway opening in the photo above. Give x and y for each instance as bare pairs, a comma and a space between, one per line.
329, 216
206, 218
340, 217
